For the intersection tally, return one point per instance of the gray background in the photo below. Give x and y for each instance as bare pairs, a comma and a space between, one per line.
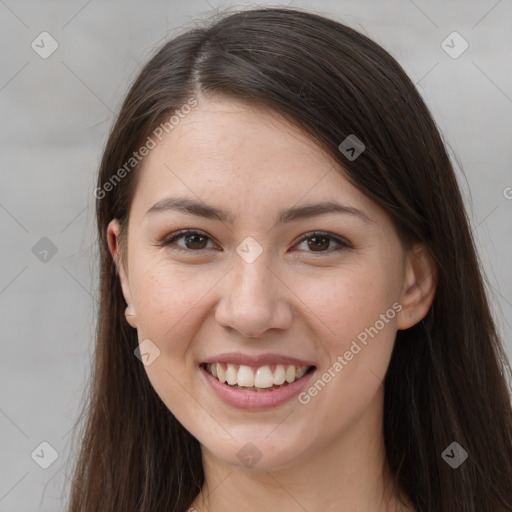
55, 115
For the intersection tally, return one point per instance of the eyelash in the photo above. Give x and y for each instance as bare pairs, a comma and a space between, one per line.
167, 242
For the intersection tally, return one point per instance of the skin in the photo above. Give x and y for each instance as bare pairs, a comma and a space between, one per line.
293, 299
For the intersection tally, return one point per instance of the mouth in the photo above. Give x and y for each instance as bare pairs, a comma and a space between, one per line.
265, 378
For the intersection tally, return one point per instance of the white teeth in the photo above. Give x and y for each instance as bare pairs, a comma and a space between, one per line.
221, 374
261, 378
300, 371
245, 376
279, 375
290, 374
231, 375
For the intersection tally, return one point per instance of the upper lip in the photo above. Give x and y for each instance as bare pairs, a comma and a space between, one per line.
256, 361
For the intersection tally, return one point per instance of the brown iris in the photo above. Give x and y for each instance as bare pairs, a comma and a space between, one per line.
316, 245
187, 239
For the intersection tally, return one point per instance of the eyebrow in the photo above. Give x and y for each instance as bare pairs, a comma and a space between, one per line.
201, 209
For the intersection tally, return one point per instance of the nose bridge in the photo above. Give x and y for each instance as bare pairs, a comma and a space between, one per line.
253, 281
252, 266
254, 299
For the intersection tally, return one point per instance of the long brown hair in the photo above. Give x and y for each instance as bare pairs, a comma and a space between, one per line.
446, 381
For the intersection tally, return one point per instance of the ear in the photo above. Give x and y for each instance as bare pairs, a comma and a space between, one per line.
420, 280
113, 231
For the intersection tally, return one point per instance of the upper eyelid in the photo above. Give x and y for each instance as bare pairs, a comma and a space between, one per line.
182, 232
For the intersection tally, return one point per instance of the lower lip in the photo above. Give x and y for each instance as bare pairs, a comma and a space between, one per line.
256, 399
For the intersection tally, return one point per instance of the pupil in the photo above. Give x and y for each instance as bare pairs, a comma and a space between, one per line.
319, 245
189, 237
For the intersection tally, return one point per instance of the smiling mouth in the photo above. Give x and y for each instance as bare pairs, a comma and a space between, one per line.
263, 378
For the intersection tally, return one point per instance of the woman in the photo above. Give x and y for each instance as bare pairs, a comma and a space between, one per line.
292, 312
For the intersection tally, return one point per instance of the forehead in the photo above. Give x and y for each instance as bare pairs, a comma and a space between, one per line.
242, 155
224, 134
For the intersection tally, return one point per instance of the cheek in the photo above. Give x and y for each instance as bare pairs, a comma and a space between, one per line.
346, 301
167, 299
169, 313
355, 313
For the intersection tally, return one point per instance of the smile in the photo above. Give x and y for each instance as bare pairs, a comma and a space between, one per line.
256, 382
262, 378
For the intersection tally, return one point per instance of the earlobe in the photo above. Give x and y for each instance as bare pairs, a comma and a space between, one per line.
113, 231
130, 315
420, 280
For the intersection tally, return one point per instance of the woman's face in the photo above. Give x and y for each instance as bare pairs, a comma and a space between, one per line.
253, 287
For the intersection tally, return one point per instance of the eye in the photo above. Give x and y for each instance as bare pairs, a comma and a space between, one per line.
318, 241
193, 240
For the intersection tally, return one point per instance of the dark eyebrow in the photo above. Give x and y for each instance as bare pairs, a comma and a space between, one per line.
201, 209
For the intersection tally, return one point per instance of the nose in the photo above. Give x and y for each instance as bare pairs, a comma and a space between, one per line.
254, 299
